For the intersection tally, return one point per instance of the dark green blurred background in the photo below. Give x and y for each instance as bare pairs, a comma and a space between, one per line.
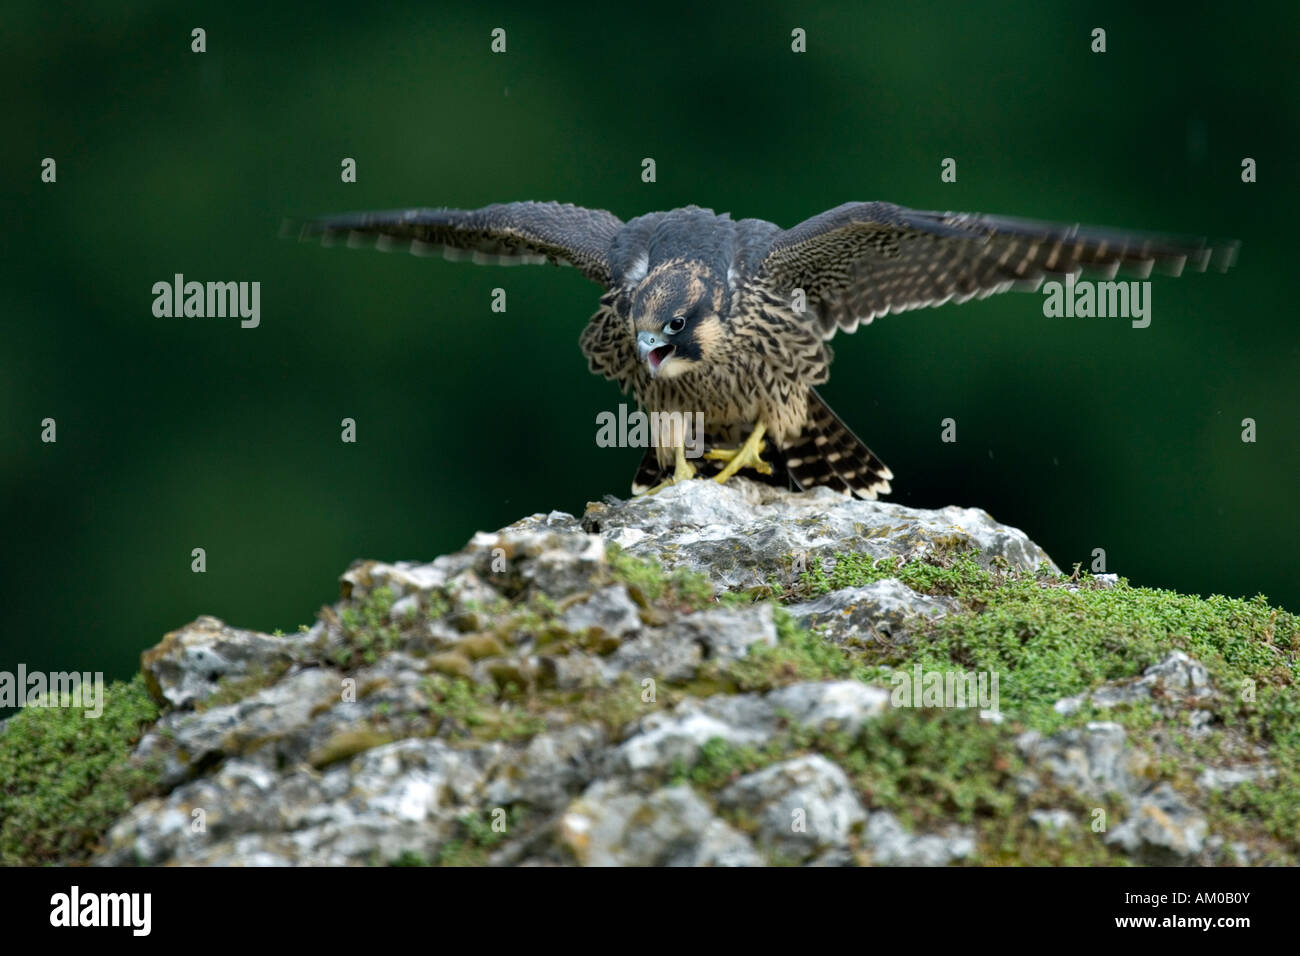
181, 433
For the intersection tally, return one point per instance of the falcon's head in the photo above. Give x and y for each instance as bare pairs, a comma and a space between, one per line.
676, 317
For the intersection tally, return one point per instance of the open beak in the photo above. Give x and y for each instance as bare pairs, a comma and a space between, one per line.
653, 349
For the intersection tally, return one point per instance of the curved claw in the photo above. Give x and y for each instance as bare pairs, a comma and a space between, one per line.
684, 471
747, 456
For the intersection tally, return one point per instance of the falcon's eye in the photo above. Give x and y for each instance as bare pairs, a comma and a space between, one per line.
676, 325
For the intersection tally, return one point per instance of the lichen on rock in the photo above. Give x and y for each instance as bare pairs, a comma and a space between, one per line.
712, 676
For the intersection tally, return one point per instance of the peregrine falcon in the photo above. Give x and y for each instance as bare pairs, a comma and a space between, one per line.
731, 318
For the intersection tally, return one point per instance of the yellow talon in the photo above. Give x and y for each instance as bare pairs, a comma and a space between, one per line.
747, 456
726, 454
684, 471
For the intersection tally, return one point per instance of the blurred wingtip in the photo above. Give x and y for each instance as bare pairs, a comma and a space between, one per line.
1218, 255
1224, 256
303, 230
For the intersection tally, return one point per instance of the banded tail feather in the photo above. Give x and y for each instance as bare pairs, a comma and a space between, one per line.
825, 453
828, 453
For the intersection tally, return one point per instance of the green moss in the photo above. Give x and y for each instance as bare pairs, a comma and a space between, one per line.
690, 587
1045, 635
1049, 642
534, 618
799, 655
940, 573
719, 762
615, 706
64, 778
930, 767
934, 766
234, 689
1238, 812
476, 838
410, 858
640, 574
346, 744
368, 630
648, 583
744, 598
1048, 636
473, 711
439, 606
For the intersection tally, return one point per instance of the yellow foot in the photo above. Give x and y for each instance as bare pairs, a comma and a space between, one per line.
726, 454
747, 456
684, 471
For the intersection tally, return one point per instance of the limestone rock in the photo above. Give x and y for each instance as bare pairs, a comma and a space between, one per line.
529, 700
877, 611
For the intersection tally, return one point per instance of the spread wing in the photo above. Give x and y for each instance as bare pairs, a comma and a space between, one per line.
863, 260
502, 234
